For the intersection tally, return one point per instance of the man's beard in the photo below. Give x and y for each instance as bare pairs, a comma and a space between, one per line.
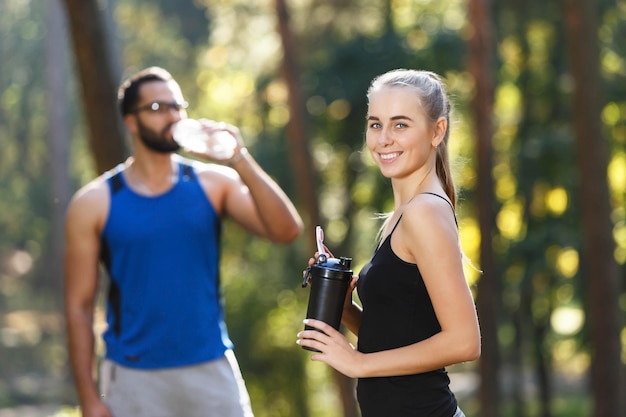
155, 141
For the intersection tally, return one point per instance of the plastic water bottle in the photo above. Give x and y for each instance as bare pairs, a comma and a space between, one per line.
190, 134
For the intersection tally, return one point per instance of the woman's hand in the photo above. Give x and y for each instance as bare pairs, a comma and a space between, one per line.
334, 349
312, 261
317, 255
348, 305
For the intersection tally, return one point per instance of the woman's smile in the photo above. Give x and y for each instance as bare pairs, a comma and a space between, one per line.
389, 156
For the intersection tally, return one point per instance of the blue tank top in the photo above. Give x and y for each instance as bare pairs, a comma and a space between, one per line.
162, 254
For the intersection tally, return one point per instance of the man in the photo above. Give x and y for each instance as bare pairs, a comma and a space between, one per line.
154, 223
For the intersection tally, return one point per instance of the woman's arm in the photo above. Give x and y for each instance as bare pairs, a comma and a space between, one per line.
351, 317
426, 236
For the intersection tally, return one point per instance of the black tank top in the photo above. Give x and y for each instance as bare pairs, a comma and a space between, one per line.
397, 311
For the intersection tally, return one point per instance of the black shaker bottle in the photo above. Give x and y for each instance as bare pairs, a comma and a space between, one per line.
330, 278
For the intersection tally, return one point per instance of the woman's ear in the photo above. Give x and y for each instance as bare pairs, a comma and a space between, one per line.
439, 131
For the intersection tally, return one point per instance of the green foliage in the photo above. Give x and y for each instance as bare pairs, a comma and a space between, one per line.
263, 305
29, 333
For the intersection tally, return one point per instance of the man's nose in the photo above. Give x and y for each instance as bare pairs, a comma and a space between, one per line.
176, 114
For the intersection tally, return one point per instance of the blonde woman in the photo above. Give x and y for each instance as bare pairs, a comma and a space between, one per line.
418, 315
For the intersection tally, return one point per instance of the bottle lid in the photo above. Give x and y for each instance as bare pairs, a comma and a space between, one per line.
332, 268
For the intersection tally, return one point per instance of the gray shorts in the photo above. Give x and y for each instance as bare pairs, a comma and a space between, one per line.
214, 388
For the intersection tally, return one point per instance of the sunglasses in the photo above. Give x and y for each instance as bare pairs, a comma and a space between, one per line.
161, 107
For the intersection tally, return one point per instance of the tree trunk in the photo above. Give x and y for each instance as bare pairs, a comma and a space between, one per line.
303, 167
297, 128
99, 85
58, 138
520, 320
480, 65
598, 246
543, 364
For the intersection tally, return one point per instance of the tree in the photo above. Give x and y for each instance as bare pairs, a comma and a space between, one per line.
302, 165
601, 268
97, 76
480, 65
58, 138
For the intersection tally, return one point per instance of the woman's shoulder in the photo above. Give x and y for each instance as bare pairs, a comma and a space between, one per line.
429, 206
428, 212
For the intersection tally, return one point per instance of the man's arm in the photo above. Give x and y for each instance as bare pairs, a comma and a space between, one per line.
253, 199
84, 220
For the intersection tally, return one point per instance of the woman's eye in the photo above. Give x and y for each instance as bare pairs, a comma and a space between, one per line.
401, 125
375, 125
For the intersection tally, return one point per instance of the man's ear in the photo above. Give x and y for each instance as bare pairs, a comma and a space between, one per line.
131, 123
441, 126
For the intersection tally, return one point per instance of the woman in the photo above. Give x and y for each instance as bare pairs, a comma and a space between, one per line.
418, 314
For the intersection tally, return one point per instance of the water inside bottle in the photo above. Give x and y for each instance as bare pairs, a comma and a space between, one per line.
222, 144
190, 134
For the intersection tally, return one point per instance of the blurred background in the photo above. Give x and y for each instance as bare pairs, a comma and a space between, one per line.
538, 145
